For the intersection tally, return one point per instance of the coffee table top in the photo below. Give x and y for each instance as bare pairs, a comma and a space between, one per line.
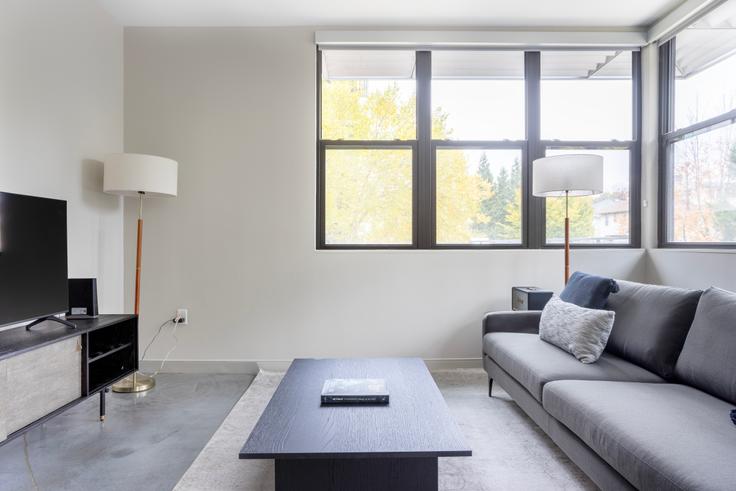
416, 423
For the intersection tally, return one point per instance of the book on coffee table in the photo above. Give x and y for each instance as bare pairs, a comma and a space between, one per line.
355, 391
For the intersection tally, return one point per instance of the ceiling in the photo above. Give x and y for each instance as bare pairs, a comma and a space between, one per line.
391, 13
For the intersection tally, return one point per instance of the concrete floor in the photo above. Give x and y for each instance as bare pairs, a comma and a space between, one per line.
147, 442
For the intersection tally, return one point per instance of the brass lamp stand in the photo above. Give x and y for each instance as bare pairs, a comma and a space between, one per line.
138, 382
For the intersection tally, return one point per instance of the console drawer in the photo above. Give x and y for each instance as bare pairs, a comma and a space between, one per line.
39, 382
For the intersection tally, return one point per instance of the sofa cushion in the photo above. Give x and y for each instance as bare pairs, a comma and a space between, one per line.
589, 291
533, 363
658, 436
651, 324
579, 331
708, 359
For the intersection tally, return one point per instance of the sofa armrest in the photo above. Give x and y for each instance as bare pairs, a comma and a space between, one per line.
524, 321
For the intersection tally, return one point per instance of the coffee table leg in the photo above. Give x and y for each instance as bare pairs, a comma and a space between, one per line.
405, 474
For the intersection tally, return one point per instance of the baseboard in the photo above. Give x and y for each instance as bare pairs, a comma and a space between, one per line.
252, 367
201, 366
450, 363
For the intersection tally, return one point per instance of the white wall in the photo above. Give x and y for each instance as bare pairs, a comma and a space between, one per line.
236, 108
61, 108
692, 268
649, 144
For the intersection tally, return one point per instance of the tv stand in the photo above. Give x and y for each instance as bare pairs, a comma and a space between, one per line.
44, 372
51, 318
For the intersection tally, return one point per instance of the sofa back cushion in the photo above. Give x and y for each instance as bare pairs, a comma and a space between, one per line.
651, 324
708, 359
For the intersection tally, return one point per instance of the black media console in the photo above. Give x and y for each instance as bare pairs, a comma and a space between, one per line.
109, 352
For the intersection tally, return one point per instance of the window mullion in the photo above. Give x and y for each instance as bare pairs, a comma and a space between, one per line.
423, 176
635, 201
666, 122
534, 207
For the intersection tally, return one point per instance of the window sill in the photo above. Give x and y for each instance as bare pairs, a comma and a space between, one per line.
523, 250
698, 250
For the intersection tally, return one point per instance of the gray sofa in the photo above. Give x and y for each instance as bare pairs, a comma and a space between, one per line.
653, 411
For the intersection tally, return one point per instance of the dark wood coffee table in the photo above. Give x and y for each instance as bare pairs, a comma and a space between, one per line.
393, 447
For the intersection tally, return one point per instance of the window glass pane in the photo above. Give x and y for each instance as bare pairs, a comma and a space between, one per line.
478, 95
704, 187
705, 67
599, 219
368, 95
478, 196
368, 196
586, 95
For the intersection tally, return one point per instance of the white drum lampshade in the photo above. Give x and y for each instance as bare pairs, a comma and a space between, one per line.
571, 174
130, 174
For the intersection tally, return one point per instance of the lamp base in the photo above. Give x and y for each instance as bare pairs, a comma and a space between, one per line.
137, 382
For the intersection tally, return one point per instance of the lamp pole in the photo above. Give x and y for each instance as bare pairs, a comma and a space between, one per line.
138, 382
138, 254
567, 236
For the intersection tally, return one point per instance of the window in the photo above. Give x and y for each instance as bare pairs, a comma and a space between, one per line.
478, 95
588, 103
368, 135
368, 196
478, 110
698, 133
586, 95
368, 95
433, 149
704, 187
479, 196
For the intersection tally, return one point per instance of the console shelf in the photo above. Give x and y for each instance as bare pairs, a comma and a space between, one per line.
111, 351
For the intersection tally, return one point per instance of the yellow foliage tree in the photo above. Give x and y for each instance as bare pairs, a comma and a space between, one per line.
369, 191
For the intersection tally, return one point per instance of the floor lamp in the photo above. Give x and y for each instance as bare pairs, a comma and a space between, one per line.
567, 175
130, 174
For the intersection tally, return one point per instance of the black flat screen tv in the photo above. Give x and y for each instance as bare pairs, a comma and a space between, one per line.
33, 258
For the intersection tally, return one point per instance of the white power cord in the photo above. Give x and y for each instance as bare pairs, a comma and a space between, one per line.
176, 321
168, 353
28, 462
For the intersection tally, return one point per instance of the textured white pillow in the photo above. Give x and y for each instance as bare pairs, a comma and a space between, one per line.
577, 330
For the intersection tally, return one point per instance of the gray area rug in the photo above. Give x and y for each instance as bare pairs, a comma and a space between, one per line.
509, 451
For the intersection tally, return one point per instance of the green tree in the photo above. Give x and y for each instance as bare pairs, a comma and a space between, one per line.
581, 217
511, 226
498, 210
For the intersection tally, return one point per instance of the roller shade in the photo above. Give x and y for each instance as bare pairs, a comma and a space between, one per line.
361, 64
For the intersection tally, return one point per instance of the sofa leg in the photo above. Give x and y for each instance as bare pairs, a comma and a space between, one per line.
490, 387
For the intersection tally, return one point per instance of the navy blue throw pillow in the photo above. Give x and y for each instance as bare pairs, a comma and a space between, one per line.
589, 291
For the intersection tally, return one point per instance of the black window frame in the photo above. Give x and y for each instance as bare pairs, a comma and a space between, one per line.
532, 147
668, 136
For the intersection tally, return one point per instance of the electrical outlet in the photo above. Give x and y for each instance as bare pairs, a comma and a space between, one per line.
183, 316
